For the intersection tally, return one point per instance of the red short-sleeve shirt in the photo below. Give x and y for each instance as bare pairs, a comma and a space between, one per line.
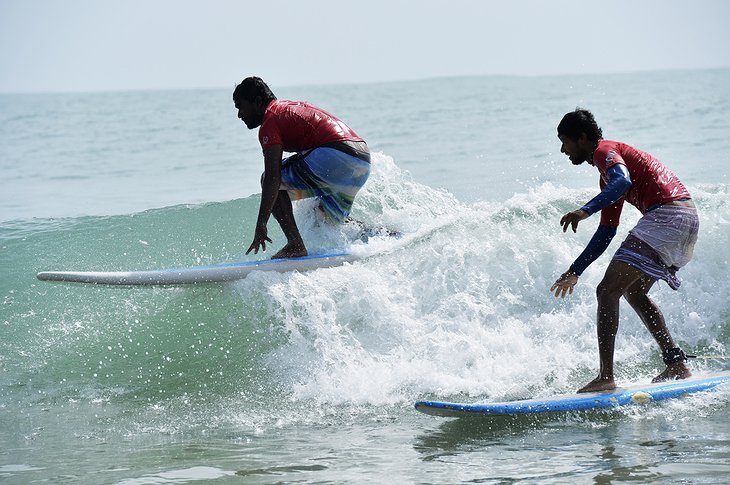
297, 126
652, 182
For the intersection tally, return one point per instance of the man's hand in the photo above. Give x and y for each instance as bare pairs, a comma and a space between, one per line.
259, 239
564, 284
572, 219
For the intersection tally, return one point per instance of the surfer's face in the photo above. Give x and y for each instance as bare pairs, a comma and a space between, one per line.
250, 112
575, 149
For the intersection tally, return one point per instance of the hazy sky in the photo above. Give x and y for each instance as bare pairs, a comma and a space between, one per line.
82, 45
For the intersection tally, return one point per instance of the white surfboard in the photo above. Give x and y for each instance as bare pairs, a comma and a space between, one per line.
199, 274
621, 396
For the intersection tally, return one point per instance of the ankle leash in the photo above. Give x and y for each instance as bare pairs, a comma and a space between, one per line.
675, 355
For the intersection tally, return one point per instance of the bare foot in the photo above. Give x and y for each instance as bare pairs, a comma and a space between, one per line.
673, 372
599, 384
291, 251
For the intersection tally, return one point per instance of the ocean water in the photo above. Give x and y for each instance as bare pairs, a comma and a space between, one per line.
311, 377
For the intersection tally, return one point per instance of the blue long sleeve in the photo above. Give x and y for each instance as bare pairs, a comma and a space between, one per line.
619, 182
596, 246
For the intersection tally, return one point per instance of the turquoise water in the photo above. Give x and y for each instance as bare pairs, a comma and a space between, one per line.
311, 378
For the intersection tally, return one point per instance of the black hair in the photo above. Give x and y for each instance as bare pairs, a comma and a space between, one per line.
577, 122
252, 87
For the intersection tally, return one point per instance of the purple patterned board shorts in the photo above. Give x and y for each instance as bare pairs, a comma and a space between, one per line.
661, 242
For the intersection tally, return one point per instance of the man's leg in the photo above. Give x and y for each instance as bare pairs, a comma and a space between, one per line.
638, 297
619, 276
284, 215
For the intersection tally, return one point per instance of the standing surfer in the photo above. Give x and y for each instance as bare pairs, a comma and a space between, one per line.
661, 242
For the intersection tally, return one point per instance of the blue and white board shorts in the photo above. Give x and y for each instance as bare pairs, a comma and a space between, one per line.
331, 175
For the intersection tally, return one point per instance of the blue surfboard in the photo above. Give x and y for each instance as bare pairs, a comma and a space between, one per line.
621, 396
198, 274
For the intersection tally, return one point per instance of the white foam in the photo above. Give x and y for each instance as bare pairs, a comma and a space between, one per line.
461, 303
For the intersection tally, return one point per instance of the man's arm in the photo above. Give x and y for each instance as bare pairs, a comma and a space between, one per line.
596, 246
618, 183
270, 185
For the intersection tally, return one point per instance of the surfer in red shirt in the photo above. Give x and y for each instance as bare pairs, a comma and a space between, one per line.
661, 242
331, 162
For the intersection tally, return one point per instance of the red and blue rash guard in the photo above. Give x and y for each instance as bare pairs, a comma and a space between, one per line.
299, 126
652, 183
627, 174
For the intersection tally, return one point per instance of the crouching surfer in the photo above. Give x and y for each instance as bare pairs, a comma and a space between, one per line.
330, 161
